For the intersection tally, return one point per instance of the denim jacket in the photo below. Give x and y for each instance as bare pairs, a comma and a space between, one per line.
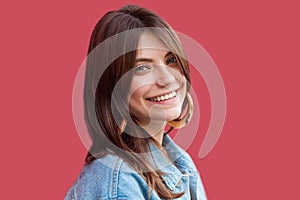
111, 178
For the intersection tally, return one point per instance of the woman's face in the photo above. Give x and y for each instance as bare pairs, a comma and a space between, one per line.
158, 87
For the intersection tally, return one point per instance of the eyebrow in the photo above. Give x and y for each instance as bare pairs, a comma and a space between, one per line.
150, 59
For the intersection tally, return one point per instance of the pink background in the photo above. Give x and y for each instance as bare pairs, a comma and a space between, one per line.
255, 45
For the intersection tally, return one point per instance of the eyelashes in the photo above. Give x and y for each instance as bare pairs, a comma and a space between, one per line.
142, 68
172, 60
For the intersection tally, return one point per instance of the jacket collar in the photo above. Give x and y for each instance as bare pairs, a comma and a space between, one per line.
175, 166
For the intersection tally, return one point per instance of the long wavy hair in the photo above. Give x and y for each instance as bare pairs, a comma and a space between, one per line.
102, 115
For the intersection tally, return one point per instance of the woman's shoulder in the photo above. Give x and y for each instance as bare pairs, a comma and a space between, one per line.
108, 177
109, 162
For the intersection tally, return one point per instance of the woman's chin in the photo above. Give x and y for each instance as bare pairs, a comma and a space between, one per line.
173, 115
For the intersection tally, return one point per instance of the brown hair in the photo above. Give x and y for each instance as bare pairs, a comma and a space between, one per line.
103, 116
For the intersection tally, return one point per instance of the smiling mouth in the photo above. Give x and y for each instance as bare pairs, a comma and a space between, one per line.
165, 97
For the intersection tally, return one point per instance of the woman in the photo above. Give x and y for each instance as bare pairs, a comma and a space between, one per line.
136, 85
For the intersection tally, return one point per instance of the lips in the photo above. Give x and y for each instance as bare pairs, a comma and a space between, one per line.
164, 97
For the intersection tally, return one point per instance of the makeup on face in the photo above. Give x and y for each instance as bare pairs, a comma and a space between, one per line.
157, 81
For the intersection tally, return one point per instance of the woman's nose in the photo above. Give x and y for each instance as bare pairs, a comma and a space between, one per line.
164, 75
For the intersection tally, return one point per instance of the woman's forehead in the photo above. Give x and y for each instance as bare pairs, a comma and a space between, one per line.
148, 40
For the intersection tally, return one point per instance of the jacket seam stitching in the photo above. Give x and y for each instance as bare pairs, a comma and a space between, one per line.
115, 178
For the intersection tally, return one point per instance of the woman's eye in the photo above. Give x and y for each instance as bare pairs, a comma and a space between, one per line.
172, 60
141, 68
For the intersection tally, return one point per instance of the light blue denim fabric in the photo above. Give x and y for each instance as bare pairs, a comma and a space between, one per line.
110, 178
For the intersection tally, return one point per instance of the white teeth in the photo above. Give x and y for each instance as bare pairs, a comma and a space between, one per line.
164, 97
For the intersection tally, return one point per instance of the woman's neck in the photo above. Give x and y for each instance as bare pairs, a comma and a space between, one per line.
156, 130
